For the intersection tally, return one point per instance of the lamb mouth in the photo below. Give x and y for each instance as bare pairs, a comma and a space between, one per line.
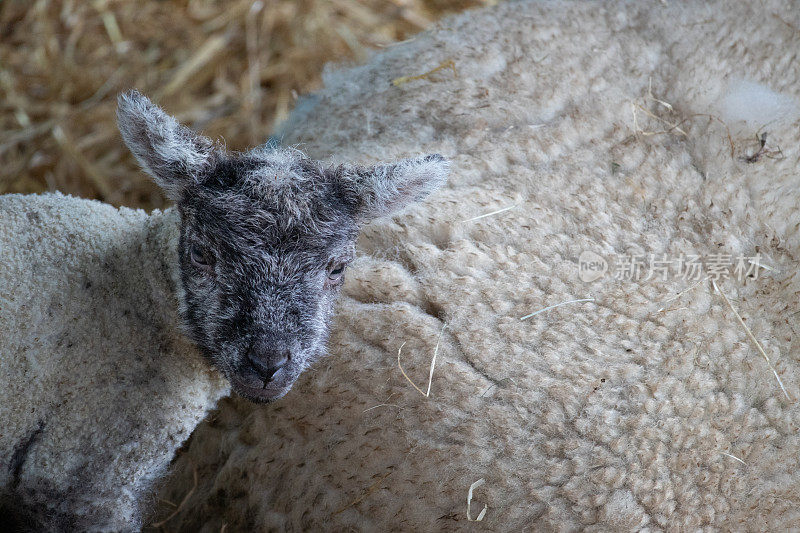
261, 394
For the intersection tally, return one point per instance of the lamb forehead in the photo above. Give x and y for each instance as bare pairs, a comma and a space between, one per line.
271, 185
272, 170
252, 215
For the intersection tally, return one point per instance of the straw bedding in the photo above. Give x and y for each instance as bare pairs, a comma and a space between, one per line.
605, 126
230, 68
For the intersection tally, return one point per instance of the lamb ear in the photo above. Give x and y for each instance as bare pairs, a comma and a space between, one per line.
384, 189
173, 154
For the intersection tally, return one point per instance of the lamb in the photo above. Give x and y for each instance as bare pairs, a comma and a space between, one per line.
604, 128
122, 329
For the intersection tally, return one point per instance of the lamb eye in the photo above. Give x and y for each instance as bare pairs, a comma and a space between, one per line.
335, 271
198, 256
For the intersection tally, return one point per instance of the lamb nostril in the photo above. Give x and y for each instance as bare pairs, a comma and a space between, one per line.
267, 365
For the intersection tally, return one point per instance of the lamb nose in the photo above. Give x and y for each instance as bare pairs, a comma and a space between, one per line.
267, 363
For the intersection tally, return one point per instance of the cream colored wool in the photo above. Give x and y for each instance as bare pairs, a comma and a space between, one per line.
97, 386
601, 416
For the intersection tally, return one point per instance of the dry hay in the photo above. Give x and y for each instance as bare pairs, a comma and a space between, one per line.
231, 69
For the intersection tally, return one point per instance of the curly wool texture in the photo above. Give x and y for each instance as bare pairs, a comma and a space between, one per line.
596, 416
97, 386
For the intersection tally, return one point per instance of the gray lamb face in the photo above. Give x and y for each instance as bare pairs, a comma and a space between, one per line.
265, 239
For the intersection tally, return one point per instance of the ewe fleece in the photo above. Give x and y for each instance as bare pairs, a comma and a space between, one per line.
612, 414
100, 404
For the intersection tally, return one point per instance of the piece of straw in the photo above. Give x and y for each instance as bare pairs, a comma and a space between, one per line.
111, 26
210, 50
650, 95
168, 502
762, 265
733, 457
672, 127
379, 405
183, 501
503, 210
397, 82
433, 364
683, 292
753, 338
97, 177
480, 516
526, 317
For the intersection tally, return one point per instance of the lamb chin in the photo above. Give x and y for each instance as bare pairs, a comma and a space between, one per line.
261, 395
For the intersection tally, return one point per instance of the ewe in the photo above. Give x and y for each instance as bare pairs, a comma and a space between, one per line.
111, 316
630, 412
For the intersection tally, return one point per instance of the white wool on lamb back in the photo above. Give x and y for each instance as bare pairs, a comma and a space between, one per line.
93, 409
649, 407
